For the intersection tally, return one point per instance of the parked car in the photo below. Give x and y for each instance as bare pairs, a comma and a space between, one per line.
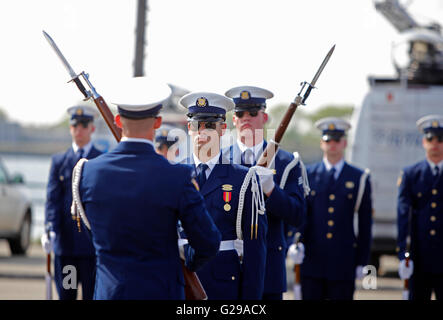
15, 212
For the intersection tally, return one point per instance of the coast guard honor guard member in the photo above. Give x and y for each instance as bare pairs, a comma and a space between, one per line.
70, 246
335, 253
234, 200
420, 215
285, 203
132, 199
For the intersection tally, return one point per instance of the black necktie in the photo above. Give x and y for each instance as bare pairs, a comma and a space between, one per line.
79, 154
201, 174
436, 171
247, 158
331, 177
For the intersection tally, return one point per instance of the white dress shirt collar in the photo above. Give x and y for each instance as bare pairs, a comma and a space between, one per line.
211, 163
433, 165
338, 166
86, 148
257, 149
137, 140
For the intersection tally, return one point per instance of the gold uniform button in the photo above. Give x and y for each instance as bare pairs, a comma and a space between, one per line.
290, 234
329, 235
350, 196
312, 192
433, 218
331, 210
233, 278
434, 191
331, 197
330, 223
280, 248
419, 194
62, 178
432, 232
433, 205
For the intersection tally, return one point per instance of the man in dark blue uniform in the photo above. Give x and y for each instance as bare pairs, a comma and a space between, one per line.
285, 202
71, 247
132, 198
420, 215
335, 253
234, 200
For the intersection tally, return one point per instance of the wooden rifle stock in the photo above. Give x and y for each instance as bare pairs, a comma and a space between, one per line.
271, 149
193, 287
108, 117
406, 283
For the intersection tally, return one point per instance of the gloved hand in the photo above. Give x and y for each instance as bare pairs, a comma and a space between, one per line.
266, 179
297, 252
48, 244
359, 273
403, 271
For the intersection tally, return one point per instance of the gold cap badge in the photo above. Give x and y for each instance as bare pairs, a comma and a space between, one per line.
331, 126
79, 111
202, 102
244, 95
435, 124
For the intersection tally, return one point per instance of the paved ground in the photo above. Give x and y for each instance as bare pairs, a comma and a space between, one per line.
22, 277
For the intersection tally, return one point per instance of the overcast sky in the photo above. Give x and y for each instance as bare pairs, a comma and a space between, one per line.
209, 45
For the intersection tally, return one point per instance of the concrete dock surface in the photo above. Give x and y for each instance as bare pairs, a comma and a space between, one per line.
23, 277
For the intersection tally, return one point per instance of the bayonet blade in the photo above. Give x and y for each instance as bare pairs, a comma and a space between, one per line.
60, 55
322, 66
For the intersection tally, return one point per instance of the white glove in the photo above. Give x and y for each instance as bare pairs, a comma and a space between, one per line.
48, 244
359, 273
403, 271
266, 179
297, 253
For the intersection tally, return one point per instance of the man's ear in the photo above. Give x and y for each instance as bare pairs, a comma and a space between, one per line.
118, 121
223, 127
158, 122
265, 117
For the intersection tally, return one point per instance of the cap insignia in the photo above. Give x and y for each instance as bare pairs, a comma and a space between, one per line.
435, 124
331, 126
79, 111
202, 102
244, 95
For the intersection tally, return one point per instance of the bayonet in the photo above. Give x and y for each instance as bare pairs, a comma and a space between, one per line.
311, 85
74, 76
268, 154
88, 94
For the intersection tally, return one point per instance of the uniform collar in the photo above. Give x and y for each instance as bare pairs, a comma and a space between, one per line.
338, 166
433, 165
137, 140
86, 148
211, 163
257, 149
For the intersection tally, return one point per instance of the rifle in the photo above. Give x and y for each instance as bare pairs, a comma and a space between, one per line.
48, 276
271, 149
297, 278
406, 281
193, 288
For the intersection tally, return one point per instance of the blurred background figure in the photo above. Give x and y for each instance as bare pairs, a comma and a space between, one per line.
71, 247
335, 252
166, 142
419, 212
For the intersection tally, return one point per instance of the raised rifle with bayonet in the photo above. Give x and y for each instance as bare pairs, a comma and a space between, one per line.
193, 288
267, 157
306, 88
